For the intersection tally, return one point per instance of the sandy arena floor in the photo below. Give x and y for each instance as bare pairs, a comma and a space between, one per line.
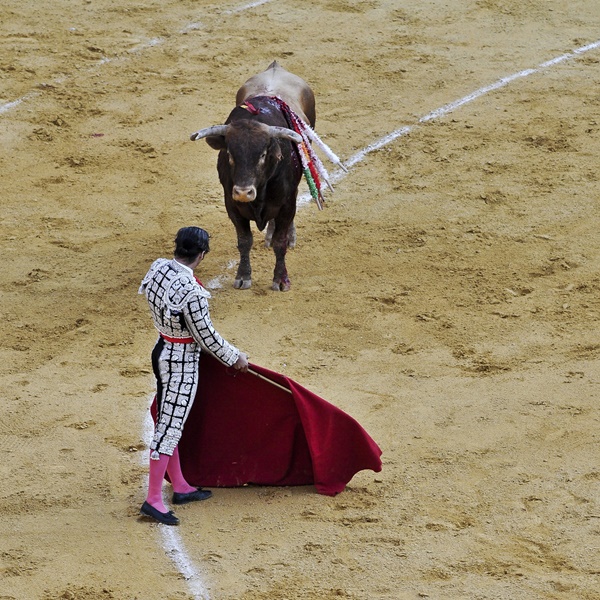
447, 297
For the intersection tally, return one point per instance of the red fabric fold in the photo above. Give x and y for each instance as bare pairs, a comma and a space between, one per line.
244, 430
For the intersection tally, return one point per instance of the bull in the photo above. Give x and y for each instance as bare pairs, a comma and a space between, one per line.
259, 166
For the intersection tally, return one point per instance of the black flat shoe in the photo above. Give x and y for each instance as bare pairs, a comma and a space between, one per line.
167, 518
194, 496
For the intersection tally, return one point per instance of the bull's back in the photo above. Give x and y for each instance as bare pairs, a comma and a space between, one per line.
276, 81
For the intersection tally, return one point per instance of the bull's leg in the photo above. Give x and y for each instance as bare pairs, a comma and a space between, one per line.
291, 237
281, 281
243, 278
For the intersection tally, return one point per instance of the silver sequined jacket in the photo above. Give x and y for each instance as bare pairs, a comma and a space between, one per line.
179, 308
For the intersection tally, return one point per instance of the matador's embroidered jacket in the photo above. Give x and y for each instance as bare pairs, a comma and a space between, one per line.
179, 307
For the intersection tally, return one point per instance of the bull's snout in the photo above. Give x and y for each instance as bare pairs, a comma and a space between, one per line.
244, 194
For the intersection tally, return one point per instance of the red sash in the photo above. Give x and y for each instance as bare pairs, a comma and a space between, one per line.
174, 340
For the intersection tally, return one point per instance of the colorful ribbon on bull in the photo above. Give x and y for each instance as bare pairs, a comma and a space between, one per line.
312, 167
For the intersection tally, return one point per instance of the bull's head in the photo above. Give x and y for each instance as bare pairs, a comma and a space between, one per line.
253, 152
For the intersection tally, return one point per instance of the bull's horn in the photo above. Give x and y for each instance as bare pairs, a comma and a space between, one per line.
286, 134
214, 130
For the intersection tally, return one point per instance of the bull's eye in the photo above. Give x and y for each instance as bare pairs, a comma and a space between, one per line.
230, 158
263, 156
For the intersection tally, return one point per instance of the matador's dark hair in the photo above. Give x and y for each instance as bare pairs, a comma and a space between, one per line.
190, 242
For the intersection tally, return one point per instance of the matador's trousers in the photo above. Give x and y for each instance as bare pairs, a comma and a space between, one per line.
175, 367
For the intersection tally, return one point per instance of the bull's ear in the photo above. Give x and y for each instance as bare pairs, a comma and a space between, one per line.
216, 142
275, 149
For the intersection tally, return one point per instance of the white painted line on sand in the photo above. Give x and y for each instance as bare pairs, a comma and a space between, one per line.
448, 108
239, 9
152, 43
172, 543
10, 105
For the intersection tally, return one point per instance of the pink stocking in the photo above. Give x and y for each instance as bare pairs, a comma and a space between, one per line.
178, 481
158, 469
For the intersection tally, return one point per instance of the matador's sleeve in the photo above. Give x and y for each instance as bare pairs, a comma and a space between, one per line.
197, 319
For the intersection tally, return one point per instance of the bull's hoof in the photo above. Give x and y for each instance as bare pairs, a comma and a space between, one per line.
242, 284
281, 286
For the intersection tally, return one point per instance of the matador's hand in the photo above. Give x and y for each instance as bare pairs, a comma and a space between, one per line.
242, 363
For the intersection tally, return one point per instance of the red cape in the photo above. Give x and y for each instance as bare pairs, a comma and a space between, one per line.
245, 430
